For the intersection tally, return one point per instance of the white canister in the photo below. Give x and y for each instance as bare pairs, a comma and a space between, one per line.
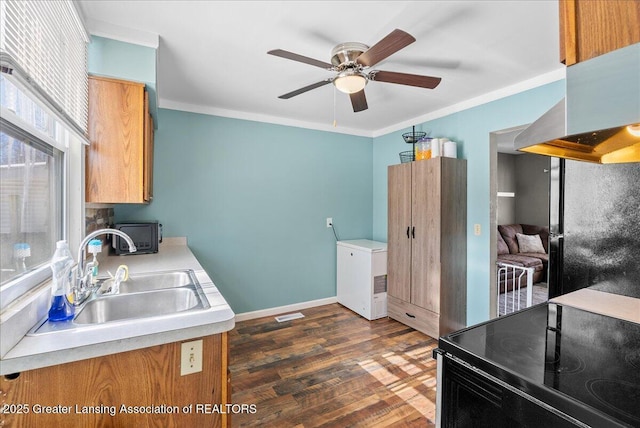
436, 147
450, 149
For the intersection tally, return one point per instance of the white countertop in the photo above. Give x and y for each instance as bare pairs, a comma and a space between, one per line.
599, 302
62, 347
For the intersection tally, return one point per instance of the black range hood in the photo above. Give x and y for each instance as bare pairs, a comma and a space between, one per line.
599, 120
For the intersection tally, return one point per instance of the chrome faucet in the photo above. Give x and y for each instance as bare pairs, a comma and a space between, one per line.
82, 285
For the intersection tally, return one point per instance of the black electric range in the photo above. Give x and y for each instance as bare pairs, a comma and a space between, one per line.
582, 366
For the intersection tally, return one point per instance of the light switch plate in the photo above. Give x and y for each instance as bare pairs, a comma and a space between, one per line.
191, 357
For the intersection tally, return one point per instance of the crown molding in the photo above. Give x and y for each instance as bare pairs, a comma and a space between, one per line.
257, 117
517, 88
123, 34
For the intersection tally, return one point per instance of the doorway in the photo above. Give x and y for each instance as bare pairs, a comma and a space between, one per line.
519, 193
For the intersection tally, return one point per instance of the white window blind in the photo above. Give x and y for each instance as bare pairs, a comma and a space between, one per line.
44, 43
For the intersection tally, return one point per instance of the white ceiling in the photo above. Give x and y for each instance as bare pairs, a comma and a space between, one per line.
212, 55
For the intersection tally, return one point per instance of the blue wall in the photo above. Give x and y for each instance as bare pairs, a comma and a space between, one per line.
471, 129
112, 58
252, 199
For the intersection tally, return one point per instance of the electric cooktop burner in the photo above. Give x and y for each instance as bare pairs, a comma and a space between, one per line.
633, 358
565, 364
586, 357
513, 344
523, 349
615, 395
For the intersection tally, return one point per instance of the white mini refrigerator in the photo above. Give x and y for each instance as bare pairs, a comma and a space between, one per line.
362, 277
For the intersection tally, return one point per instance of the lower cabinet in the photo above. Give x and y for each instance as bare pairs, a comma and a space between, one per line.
141, 388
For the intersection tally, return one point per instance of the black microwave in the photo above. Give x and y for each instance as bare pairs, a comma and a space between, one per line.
146, 236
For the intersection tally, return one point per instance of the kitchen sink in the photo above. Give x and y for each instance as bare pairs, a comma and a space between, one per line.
139, 305
158, 294
152, 281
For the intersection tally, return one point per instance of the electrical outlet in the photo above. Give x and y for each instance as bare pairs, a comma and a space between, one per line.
191, 357
329, 222
477, 230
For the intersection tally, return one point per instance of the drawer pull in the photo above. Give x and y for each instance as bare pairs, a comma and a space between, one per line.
409, 315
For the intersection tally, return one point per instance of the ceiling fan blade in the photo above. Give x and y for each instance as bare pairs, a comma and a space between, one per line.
358, 101
386, 47
305, 89
300, 58
428, 82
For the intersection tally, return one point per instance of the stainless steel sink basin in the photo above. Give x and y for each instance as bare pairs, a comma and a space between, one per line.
139, 305
158, 294
153, 281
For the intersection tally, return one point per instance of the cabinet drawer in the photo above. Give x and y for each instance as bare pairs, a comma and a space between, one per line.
414, 316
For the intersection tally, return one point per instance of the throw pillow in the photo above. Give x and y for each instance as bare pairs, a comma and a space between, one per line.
503, 248
530, 243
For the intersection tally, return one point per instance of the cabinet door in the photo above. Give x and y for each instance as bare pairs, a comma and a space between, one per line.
148, 151
398, 232
144, 377
115, 158
595, 27
425, 251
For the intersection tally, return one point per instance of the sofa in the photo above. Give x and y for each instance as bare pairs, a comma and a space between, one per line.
523, 245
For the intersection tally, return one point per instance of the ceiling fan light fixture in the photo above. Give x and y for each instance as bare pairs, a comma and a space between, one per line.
350, 81
634, 129
350, 60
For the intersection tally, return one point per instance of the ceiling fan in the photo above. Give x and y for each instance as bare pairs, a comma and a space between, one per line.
351, 61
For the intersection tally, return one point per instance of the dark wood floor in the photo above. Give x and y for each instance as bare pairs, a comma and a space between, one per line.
332, 368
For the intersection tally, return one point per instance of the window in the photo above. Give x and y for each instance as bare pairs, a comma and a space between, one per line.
31, 190
43, 101
30, 202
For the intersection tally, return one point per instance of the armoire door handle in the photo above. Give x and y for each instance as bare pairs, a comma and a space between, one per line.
408, 228
413, 232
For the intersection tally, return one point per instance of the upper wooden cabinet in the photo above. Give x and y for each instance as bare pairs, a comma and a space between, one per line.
589, 28
119, 161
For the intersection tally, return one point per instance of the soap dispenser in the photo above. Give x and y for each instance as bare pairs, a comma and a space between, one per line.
61, 264
94, 247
